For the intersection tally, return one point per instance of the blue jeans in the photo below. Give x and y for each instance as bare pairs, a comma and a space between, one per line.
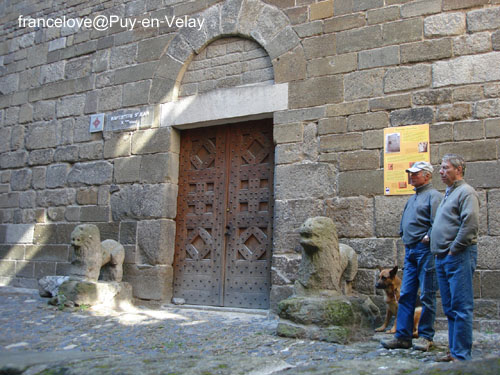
419, 272
455, 274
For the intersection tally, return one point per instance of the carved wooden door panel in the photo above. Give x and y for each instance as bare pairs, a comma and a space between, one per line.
224, 215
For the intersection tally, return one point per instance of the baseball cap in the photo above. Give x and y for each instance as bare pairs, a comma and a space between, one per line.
420, 166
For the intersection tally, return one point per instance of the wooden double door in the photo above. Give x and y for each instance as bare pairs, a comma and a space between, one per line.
224, 215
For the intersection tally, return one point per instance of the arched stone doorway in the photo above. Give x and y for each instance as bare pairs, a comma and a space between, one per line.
225, 74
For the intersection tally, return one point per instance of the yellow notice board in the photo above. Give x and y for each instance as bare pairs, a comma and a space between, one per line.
403, 146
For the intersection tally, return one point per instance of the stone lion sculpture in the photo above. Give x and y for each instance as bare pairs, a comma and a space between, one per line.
325, 265
90, 255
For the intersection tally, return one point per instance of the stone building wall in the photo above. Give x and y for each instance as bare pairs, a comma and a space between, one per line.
351, 68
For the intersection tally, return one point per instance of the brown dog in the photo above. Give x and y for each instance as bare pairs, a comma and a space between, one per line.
391, 283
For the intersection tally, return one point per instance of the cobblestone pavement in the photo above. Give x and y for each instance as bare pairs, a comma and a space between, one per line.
36, 338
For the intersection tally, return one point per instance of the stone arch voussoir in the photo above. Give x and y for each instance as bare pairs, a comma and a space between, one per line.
251, 19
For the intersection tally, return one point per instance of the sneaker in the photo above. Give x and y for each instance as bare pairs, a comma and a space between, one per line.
447, 358
396, 343
422, 344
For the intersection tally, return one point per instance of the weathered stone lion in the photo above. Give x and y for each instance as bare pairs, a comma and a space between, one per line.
325, 265
90, 254
323, 307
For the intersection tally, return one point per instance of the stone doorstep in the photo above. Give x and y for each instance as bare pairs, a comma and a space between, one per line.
261, 312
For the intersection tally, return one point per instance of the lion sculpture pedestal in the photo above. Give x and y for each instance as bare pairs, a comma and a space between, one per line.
324, 306
95, 275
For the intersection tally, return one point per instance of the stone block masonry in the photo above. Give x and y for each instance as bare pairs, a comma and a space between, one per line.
331, 74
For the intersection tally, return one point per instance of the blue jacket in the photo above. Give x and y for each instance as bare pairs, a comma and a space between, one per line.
418, 214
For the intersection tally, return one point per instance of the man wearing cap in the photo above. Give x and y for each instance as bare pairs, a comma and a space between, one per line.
419, 265
454, 242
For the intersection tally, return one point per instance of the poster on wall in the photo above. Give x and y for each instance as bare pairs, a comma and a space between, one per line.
403, 146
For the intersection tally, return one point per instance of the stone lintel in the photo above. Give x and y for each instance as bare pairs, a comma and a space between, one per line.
219, 106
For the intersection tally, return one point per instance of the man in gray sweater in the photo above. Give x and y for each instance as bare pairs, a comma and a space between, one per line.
454, 242
419, 268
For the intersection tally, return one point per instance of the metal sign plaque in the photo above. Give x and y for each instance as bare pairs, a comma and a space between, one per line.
127, 119
96, 123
